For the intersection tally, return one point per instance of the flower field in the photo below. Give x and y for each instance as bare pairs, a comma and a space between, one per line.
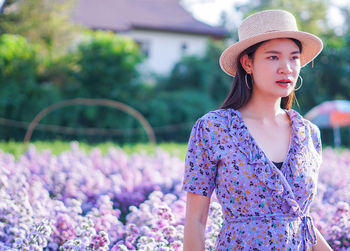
114, 201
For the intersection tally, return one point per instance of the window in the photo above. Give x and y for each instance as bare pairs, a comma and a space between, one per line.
144, 47
183, 48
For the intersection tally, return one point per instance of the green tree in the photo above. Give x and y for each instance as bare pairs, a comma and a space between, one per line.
21, 95
107, 66
104, 66
44, 22
18, 68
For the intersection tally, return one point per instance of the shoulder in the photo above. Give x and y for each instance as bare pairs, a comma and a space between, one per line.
298, 118
215, 125
219, 118
306, 128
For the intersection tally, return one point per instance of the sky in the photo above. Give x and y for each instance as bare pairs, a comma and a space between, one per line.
209, 11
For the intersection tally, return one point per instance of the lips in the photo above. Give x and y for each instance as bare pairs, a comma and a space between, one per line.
284, 82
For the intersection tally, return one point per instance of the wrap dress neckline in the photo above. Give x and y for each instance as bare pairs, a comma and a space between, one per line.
279, 165
278, 183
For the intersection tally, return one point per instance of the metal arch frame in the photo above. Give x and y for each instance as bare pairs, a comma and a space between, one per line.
96, 102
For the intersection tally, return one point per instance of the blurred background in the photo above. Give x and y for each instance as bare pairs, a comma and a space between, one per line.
159, 57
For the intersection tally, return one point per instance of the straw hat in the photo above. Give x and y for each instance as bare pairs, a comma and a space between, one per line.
267, 25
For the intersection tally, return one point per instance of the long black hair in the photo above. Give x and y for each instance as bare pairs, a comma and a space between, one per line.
239, 93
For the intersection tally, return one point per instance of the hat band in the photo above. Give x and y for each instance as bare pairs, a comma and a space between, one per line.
262, 33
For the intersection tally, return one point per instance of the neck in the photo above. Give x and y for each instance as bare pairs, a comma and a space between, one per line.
263, 108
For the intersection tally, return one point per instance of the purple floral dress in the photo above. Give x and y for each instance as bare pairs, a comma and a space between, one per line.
264, 208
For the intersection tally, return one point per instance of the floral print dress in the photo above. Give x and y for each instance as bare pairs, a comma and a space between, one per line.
264, 208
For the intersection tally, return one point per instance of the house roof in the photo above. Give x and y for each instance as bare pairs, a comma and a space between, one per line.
124, 15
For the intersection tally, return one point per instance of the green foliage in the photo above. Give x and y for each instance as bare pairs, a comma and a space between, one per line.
56, 147
18, 67
21, 96
195, 86
328, 79
179, 109
107, 66
202, 75
44, 22
18, 62
218, 84
102, 66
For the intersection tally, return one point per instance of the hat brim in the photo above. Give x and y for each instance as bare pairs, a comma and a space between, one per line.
311, 47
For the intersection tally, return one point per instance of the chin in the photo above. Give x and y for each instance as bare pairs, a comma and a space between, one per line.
286, 93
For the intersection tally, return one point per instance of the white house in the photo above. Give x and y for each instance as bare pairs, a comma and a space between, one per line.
164, 30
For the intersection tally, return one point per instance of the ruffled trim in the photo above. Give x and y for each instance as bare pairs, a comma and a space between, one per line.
263, 168
299, 132
267, 172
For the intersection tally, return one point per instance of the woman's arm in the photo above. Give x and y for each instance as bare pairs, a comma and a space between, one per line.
197, 207
322, 244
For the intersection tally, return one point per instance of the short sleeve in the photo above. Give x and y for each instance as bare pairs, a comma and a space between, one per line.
200, 169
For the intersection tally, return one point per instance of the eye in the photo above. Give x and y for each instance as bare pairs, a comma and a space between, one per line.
273, 57
296, 57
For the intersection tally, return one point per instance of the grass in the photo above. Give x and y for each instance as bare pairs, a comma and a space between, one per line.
56, 147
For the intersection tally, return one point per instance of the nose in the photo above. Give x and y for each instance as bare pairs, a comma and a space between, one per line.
285, 67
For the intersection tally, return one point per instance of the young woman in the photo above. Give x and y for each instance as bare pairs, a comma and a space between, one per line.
260, 156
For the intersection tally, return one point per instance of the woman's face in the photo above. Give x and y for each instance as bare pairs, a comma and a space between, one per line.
275, 67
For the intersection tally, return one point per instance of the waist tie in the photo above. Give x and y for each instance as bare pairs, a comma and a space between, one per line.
309, 234
308, 226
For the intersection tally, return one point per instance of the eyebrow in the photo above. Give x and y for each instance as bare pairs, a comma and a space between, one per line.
277, 52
